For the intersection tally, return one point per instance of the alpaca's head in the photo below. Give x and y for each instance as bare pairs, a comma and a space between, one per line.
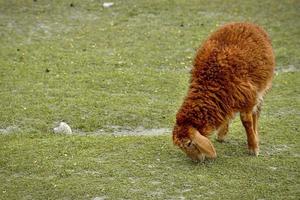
195, 145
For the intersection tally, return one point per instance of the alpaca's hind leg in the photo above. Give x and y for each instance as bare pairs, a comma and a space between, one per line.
248, 119
222, 131
255, 116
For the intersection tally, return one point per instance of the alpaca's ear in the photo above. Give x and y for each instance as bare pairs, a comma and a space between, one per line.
202, 143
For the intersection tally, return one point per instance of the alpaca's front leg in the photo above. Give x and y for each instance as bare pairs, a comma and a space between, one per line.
222, 131
247, 119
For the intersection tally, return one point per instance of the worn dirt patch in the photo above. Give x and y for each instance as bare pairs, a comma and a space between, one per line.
286, 69
142, 131
9, 129
126, 131
276, 149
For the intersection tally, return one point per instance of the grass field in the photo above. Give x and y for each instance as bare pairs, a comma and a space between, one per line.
113, 72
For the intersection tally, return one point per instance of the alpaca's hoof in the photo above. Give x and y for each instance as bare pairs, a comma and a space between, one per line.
254, 152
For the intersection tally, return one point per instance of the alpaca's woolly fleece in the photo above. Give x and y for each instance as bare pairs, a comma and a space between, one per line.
231, 72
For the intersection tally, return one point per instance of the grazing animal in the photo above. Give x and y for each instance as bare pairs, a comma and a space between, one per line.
232, 71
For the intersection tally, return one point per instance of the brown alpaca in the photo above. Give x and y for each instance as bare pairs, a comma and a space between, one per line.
232, 72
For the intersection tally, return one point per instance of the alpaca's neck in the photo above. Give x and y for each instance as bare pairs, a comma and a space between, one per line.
203, 110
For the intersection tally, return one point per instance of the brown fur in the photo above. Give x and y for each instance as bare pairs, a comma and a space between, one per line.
232, 71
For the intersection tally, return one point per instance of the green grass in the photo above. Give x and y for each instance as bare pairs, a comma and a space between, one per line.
105, 70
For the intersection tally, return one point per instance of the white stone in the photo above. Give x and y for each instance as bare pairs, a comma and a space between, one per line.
108, 4
63, 128
99, 198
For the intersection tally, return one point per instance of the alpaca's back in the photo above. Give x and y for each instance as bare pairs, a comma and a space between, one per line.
238, 61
